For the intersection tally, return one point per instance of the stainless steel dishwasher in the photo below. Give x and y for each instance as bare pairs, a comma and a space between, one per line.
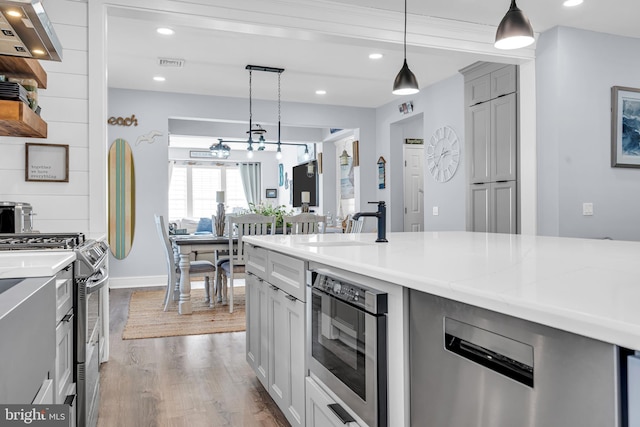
474, 367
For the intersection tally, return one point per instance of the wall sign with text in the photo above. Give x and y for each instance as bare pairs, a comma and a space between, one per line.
46, 162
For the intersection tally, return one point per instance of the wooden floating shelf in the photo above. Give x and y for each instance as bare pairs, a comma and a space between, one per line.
28, 68
17, 119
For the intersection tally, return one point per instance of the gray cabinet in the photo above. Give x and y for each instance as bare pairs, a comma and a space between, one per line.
276, 328
63, 372
484, 82
492, 147
502, 153
492, 207
286, 366
318, 412
257, 335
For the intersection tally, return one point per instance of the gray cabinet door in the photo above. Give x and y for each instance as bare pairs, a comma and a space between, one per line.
478, 215
477, 90
503, 139
64, 357
503, 81
492, 207
257, 338
286, 367
503, 207
478, 143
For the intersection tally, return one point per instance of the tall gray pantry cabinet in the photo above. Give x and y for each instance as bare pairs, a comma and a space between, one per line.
491, 121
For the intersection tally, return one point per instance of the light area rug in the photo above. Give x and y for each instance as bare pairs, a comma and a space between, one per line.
148, 320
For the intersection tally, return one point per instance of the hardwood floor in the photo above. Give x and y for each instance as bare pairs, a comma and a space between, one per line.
191, 381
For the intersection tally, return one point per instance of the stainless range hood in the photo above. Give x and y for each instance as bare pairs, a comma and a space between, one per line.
25, 31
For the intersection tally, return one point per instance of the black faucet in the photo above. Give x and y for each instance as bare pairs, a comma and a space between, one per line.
382, 220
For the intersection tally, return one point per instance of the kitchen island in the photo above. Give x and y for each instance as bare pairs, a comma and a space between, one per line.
582, 286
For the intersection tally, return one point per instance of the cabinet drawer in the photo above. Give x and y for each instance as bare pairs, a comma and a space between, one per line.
256, 261
64, 297
287, 273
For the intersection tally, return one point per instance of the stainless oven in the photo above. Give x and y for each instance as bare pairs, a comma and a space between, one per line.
91, 277
348, 348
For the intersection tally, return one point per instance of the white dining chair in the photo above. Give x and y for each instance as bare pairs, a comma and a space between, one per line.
196, 268
233, 267
354, 226
304, 223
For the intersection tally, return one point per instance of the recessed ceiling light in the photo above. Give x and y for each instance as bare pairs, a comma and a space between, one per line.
14, 13
375, 56
571, 3
165, 31
321, 92
159, 78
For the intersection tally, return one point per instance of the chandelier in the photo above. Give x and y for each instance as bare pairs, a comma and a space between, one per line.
220, 150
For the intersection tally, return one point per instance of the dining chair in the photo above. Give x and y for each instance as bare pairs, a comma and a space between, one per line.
196, 268
240, 226
304, 223
354, 226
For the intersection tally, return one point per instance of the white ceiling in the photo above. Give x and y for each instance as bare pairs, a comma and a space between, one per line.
216, 50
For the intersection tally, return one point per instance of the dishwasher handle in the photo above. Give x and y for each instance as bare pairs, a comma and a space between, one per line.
497, 362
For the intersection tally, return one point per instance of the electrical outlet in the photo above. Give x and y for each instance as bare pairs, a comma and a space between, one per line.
587, 209
435, 211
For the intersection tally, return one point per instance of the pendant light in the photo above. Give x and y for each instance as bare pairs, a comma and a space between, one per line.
220, 150
515, 30
250, 140
405, 82
279, 150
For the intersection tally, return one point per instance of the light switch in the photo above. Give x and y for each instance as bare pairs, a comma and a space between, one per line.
587, 209
435, 211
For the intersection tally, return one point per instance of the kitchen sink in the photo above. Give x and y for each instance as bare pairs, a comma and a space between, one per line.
343, 243
6, 284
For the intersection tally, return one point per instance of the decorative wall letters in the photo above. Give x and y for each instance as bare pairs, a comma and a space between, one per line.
122, 121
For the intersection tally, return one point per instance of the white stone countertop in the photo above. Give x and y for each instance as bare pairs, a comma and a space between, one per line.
16, 264
586, 286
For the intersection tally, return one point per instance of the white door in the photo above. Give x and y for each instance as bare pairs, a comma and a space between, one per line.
413, 188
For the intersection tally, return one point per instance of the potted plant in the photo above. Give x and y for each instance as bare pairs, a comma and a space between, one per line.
279, 211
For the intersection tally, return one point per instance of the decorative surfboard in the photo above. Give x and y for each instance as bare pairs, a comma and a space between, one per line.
122, 198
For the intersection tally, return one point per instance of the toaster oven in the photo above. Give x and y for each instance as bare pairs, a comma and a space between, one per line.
16, 217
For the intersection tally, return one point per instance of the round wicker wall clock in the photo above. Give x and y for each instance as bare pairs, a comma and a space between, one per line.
443, 154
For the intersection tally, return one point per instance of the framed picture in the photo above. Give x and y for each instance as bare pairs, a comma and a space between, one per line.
625, 127
272, 193
46, 162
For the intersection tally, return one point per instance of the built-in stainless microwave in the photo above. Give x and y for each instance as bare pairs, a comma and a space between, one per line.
348, 343
16, 217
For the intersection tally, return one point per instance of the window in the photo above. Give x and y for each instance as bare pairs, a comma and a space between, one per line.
192, 190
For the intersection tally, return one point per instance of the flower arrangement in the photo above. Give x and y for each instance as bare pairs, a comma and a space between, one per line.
279, 211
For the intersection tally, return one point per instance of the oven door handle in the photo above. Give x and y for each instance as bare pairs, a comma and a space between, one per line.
95, 286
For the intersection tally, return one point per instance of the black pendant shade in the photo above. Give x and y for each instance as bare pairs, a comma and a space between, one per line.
405, 82
515, 30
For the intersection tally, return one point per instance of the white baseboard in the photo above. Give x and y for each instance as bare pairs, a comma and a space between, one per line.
137, 282
152, 281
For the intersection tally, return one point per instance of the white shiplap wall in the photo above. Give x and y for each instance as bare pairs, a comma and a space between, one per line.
58, 206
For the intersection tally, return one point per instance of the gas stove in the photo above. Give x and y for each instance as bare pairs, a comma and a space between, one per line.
90, 253
34, 241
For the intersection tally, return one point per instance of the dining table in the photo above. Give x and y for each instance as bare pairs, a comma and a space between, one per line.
183, 246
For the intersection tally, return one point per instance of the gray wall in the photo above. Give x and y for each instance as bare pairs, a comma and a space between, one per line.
575, 72
441, 104
153, 111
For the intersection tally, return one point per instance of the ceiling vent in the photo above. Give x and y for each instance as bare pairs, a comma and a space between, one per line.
171, 62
